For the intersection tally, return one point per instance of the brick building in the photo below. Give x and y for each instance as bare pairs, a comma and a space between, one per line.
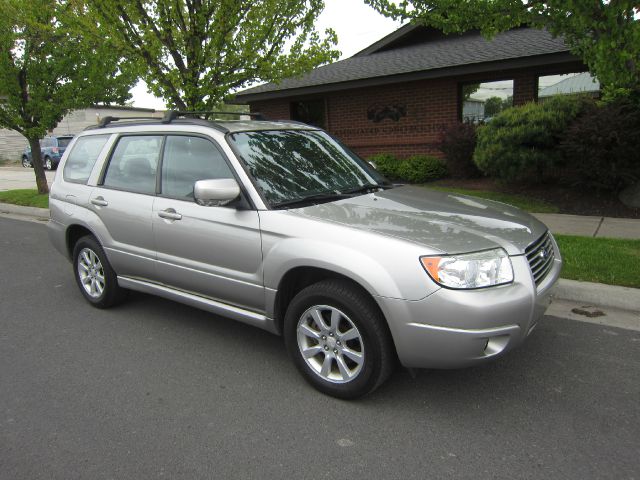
397, 95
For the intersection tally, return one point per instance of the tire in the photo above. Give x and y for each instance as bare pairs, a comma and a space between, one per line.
48, 164
95, 278
347, 346
25, 162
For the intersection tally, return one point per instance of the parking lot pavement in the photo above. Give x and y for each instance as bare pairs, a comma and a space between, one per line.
13, 177
155, 389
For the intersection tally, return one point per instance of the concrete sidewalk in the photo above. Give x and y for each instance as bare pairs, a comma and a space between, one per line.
17, 177
585, 226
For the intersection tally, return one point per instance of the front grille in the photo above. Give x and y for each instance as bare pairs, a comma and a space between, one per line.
540, 256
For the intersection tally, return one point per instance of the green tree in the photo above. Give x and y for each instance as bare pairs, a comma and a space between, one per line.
48, 68
604, 34
193, 53
469, 89
493, 106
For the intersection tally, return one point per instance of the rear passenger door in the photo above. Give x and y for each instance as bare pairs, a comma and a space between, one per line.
210, 251
124, 201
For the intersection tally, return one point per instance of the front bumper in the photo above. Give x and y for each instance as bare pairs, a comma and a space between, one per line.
459, 328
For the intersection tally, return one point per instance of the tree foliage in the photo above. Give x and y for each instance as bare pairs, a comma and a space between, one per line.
605, 34
193, 53
48, 68
602, 147
494, 105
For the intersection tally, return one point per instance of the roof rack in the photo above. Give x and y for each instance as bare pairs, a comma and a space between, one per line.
107, 120
171, 115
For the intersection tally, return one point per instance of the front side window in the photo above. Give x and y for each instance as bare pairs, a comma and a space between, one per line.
187, 160
291, 165
134, 163
83, 157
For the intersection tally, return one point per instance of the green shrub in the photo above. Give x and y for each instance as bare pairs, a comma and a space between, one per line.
421, 168
415, 169
387, 164
521, 143
458, 143
602, 147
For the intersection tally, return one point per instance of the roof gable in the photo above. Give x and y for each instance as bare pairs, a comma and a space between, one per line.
406, 36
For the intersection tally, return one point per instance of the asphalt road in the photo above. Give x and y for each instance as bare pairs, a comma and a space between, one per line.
154, 389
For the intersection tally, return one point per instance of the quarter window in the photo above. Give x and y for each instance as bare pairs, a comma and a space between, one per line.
134, 163
187, 160
83, 157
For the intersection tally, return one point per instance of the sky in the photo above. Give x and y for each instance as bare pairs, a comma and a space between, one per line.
356, 24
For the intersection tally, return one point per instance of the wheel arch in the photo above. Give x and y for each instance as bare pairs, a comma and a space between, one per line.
74, 233
298, 278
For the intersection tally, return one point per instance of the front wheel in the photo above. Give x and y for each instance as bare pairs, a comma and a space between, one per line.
338, 339
93, 273
25, 162
48, 164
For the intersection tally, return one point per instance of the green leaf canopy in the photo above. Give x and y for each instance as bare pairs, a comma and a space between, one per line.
194, 53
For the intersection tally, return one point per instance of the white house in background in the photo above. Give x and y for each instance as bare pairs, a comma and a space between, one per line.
473, 110
580, 83
12, 144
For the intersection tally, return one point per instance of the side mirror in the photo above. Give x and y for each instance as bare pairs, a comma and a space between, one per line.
216, 192
375, 167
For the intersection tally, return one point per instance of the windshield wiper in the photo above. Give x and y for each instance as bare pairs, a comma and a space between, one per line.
318, 197
367, 188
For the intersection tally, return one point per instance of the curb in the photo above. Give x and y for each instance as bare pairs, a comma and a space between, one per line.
39, 213
598, 294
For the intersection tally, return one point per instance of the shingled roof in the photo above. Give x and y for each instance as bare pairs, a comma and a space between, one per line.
414, 52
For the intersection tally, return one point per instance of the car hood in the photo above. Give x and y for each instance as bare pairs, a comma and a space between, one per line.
447, 222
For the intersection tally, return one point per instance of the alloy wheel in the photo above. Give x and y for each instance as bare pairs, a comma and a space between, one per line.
330, 344
91, 273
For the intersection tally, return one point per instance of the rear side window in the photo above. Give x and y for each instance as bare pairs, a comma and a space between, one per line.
133, 164
187, 160
83, 157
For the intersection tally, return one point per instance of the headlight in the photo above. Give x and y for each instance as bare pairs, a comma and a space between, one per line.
470, 270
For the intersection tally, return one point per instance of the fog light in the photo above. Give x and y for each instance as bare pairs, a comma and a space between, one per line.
496, 345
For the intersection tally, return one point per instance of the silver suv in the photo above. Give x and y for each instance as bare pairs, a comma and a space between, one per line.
278, 225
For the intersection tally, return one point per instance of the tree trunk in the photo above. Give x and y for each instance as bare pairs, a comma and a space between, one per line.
38, 168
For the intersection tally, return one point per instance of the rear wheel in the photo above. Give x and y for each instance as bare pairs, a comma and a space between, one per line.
338, 339
48, 164
25, 162
93, 273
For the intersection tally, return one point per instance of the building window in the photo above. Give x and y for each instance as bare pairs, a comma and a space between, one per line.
582, 83
481, 101
309, 111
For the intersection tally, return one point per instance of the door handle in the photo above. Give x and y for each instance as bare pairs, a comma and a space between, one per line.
99, 201
169, 214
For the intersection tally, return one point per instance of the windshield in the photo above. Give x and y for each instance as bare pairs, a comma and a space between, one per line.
291, 165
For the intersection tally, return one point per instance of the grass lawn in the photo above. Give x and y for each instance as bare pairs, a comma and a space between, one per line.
525, 203
602, 260
26, 197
